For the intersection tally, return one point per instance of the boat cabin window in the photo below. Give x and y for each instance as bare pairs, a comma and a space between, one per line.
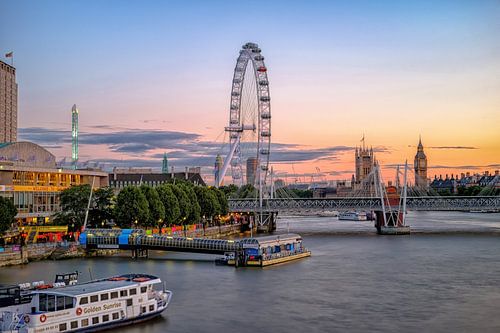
51, 303
85, 322
94, 298
133, 292
68, 302
144, 289
114, 294
129, 302
63, 327
95, 320
115, 315
123, 293
74, 324
105, 318
84, 300
42, 302
104, 297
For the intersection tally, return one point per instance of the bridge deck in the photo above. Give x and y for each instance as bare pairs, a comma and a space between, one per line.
451, 203
121, 239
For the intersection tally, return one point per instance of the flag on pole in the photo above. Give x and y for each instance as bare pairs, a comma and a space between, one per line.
9, 55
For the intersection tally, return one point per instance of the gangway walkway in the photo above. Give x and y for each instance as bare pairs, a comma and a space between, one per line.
136, 239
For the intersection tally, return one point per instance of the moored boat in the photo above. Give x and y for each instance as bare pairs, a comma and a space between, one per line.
87, 307
353, 216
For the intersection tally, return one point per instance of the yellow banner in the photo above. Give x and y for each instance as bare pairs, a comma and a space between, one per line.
27, 188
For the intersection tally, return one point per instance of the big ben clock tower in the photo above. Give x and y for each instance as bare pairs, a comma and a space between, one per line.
420, 165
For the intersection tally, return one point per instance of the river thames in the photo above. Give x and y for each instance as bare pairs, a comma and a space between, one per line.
444, 277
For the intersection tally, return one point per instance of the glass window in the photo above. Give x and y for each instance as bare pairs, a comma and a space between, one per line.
84, 300
115, 315
68, 302
114, 294
63, 327
104, 297
42, 302
123, 293
143, 309
60, 302
95, 320
151, 307
94, 298
133, 292
129, 302
74, 324
105, 318
144, 289
51, 302
85, 322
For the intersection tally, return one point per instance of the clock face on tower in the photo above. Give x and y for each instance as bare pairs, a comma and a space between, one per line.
422, 163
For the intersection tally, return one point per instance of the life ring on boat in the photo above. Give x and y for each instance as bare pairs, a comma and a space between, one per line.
43, 318
26, 319
79, 311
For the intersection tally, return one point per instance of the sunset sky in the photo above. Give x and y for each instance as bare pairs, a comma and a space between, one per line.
155, 76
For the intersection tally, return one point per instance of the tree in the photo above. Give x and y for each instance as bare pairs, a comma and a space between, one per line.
74, 201
131, 206
195, 212
229, 190
170, 202
208, 202
7, 214
222, 205
101, 207
155, 205
184, 202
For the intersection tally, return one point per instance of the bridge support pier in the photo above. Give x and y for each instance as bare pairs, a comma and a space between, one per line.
140, 253
266, 222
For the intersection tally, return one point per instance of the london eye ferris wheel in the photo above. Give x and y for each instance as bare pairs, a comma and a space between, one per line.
249, 128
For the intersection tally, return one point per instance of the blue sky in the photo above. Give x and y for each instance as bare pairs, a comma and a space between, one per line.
337, 69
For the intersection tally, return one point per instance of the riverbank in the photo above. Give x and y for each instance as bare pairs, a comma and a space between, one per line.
17, 255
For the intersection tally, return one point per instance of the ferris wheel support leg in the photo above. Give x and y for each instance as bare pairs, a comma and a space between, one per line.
228, 160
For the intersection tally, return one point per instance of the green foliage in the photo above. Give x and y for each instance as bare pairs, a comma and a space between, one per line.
7, 213
221, 199
184, 202
195, 212
155, 205
302, 193
208, 202
229, 190
131, 206
170, 202
101, 207
74, 201
246, 192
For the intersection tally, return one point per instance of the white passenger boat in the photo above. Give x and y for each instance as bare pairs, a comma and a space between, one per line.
353, 216
87, 307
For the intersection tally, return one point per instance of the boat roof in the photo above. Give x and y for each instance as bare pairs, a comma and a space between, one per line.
93, 287
271, 239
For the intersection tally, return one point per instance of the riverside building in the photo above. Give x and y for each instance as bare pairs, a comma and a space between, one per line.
8, 103
29, 176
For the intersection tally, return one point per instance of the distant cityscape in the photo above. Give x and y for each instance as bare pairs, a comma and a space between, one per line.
30, 175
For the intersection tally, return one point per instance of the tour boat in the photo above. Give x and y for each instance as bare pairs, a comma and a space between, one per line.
353, 216
88, 307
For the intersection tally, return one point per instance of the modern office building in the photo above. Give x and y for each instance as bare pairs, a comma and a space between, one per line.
8, 103
252, 164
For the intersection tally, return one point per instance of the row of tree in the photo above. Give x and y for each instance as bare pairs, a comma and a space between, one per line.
143, 206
